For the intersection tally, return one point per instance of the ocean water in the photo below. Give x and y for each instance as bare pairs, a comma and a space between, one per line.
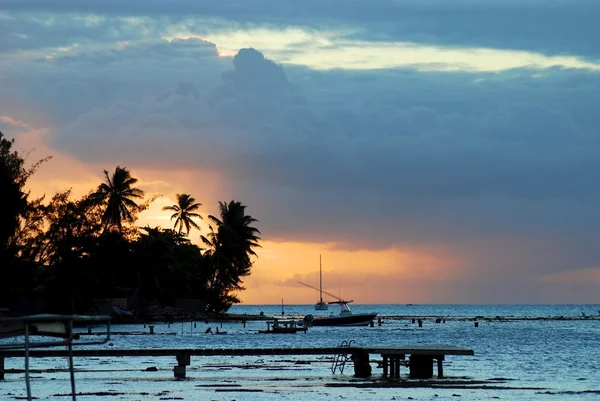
522, 352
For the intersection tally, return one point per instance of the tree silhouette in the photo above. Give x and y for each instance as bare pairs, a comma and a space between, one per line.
65, 255
118, 196
184, 213
231, 242
14, 200
15, 274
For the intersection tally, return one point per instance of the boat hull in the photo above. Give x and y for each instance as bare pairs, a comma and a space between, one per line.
360, 319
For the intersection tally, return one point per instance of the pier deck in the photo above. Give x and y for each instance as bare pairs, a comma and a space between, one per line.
420, 362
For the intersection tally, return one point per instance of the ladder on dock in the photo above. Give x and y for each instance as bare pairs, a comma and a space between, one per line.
339, 360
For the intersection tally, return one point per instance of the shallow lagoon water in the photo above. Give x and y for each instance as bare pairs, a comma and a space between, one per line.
533, 352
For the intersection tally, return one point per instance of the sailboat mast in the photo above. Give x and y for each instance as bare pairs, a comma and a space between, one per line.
320, 280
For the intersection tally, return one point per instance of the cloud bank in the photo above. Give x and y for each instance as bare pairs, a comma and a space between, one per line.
495, 168
557, 27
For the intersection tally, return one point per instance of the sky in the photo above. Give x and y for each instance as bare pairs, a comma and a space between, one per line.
430, 151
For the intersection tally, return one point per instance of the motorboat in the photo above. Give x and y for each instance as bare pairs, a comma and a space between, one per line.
344, 318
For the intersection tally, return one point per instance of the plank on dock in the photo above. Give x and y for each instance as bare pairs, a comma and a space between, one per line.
420, 362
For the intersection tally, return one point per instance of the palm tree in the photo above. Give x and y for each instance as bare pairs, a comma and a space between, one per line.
231, 244
184, 213
118, 195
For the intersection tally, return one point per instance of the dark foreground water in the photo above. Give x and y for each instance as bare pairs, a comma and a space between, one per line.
522, 352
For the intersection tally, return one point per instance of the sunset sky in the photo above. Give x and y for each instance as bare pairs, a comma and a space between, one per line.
432, 151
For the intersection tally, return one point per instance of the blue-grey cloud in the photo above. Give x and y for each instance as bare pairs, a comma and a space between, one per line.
558, 27
478, 162
501, 153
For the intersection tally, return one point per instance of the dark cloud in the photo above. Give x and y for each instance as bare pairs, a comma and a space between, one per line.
88, 79
256, 82
507, 153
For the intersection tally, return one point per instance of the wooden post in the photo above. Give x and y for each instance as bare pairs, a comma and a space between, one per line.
362, 368
440, 364
399, 361
151, 329
421, 366
183, 360
179, 372
1, 367
385, 365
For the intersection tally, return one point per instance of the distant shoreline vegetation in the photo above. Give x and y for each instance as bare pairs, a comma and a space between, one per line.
64, 255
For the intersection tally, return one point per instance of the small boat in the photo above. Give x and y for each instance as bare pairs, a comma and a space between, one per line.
284, 326
345, 318
321, 305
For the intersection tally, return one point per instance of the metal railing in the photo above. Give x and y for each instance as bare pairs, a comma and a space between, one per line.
59, 327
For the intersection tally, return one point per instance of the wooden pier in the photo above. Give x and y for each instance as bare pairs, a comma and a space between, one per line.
420, 361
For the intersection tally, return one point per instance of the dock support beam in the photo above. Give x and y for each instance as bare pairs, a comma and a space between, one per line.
362, 368
440, 365
1, 367
397, 364
385, 366
421, 366
392, 362
183, 360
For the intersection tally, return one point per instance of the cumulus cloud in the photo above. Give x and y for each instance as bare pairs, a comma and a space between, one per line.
385, 139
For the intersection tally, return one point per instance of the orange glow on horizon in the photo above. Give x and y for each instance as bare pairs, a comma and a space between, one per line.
378, 276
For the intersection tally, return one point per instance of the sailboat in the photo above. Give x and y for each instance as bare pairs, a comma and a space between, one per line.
321, 305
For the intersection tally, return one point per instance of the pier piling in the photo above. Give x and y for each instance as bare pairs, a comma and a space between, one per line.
183, 360
362, 368
421, 366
